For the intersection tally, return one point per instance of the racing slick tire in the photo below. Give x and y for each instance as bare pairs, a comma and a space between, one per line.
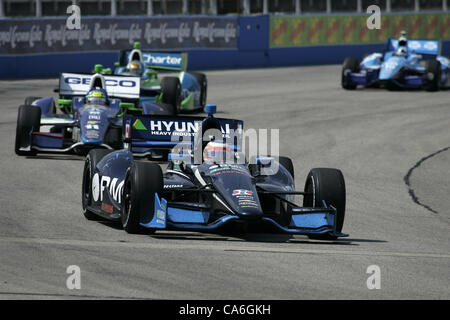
350, 65
287, 213
203, 82
30, 100
325, 184
171, 93
287, 163
433, 74
92, 159
142, 181
28, 120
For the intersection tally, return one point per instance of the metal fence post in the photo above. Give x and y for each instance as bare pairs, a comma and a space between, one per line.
388, 5
113, 8
265, 6
38, 8
213, 6
328, 6
246, 5
298, 7
149, 7
2, 12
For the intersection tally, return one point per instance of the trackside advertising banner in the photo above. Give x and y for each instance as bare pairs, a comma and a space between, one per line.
293, 31
50, 35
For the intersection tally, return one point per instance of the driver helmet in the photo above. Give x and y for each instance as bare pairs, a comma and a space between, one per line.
96, 97
134, 68
402, 52
217, 152
402, 41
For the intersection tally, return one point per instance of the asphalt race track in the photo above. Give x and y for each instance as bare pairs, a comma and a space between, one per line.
391, 146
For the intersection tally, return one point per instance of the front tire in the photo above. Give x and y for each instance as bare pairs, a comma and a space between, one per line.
28, 120
433, 73
351, 65
325, 184
171, 93
203, 82
92, 159
142, 181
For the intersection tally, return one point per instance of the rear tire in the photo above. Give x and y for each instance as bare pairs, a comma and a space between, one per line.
30, 100
28, 120
326, 185
171, 91
142, 181
287, 163
92, 159
351, 65
203, 82
289, 166
433, 69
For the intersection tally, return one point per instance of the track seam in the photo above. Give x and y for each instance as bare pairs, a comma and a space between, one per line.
407, 181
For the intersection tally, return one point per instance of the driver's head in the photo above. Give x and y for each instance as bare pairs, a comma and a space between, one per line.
402, 41
134, 68
96, 97
401, 52
217, 152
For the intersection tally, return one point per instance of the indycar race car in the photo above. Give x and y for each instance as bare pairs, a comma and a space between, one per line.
186, 91
223, 188
84, 122
410, 64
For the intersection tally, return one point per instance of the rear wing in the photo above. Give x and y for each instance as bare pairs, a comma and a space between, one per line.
78, 84
171, 61
425, 47
145, 132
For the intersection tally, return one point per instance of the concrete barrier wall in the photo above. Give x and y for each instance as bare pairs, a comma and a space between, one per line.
31, 48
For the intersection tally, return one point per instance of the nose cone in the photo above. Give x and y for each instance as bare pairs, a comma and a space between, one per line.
238, 190
390, 67
250, 213
92, 124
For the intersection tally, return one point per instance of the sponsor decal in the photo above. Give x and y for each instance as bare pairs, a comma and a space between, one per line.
430, 45
170, 60
95, 187
113, 186
239, 192
179, 128
168, 186
127, 83
107, 207
90, 126
138, 125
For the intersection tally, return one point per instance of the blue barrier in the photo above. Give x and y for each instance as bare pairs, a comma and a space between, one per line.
250, 50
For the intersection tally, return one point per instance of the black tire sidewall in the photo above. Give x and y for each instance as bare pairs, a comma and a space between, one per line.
144, 180
203, 82
353, 65
171, 90
28, 119
92, 159
329, 185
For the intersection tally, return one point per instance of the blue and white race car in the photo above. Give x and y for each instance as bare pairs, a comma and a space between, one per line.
409, 64
88, 114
